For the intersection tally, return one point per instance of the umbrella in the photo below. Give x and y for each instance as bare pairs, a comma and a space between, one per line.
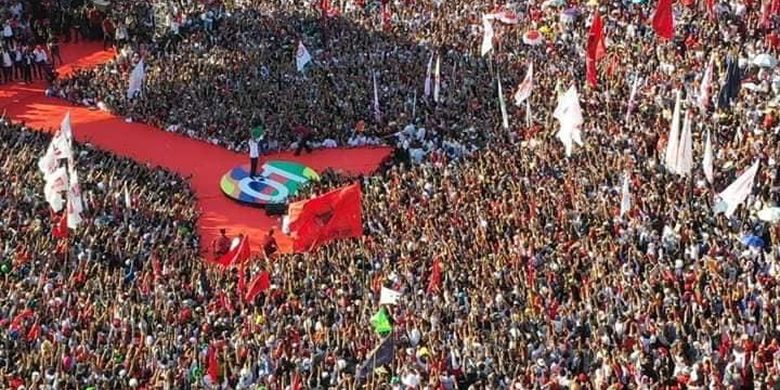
753, 240
770, 214
764, 60
533, 38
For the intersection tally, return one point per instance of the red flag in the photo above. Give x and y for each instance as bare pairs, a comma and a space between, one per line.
334, 215
260, 283
237, 255
296, 382
595, 49
710, 4
59, 227
34, 332
663, 20
212, 363
435, 281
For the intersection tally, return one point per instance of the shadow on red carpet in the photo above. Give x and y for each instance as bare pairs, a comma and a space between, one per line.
202, 163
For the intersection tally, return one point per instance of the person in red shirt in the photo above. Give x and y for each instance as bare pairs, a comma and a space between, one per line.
304, 137
221, 244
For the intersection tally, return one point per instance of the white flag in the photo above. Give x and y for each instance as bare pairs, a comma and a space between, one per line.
62, 140
377, 113
502, 104
737, 192
389, 296
437, 79
428, 77
632, 96
74, 218
706, 162
569, 115
705, 87
302, 56
487, 38
56, 183
507, 17
525, 88
670, 159
137, 77
625, 198
74, 192
685, 148
48, 163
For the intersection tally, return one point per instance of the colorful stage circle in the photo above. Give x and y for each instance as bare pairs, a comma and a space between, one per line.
280, 180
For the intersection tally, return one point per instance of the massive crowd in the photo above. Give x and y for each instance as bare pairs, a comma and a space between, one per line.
543, 283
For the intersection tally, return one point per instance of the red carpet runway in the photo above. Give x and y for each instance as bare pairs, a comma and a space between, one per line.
201, 162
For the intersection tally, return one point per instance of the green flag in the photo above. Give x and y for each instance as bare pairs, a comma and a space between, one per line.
381, 322
258, 131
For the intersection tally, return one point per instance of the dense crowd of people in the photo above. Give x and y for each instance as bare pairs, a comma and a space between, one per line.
515, 266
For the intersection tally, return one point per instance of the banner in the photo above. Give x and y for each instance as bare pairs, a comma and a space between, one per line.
334, 215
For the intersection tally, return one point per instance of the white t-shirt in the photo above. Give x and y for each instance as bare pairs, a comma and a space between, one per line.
254, 149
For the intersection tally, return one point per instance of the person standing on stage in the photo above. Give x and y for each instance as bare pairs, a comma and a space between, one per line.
304, 137
255, 147
254, 155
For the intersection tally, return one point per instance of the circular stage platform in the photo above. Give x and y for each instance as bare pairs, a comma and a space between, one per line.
277, 181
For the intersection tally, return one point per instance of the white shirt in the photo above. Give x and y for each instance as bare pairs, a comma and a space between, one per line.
254, 150
40, 56
7, 61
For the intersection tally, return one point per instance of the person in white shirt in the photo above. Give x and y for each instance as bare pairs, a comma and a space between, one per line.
8, 65
254, 155
41, 59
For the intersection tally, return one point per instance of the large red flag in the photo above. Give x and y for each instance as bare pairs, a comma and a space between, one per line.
663, 20
595, 49
237, 255
334, 215
260, 283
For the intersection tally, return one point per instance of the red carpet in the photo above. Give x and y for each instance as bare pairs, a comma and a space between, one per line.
202, 163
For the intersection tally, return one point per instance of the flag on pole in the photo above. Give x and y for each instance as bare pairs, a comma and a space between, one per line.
382, 355
377, 112
670, 159
55, 184
731, 87
663, 19
685, 149
737, 192
437, 79
625, 198
427, 89
569, 115
524, 89
381, 322
502, 104
237, 254
595, 49
334, 215
389, 296
260, 283
528, 115
487, 37
707, 160
136, 82
705, 87
302, 56
59, 226
74, 191
632, 96
503, 16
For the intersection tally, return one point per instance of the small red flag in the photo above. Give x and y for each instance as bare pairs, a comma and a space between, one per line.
595, 49
663, 20
237, 255
435, 281
212, 363
59, 227
260, 283
34, 332
296, 382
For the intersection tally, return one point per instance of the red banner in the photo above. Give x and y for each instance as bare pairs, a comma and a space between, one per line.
335, 215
